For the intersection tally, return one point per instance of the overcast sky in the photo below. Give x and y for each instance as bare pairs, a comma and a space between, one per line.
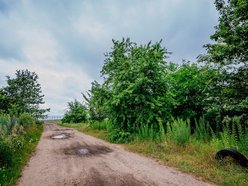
63, 41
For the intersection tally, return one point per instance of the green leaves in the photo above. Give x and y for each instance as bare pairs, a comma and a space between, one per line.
23, 95
76, 113
135, 77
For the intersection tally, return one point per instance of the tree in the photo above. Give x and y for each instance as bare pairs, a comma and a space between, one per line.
231, 35
134, 75
189, 87
229, 53
76, 113
24, 94
96, 100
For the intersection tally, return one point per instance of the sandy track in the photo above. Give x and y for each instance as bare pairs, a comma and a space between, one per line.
84, 160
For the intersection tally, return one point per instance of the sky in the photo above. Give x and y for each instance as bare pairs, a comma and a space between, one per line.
64, 41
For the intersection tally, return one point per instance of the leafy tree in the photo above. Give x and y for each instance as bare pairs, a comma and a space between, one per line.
189, 87
76, 113
96, 100
229, 53
231, 35
135, 77
24, 94
4, 102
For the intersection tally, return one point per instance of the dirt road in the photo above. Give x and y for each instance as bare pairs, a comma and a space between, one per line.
80, 159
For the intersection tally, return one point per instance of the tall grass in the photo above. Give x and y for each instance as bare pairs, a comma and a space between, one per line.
203, 130
234, 135
178, 131
151, 133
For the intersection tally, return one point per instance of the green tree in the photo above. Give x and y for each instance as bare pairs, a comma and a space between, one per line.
96, 100
76, 113
231, 35
135, 77
189, 87
24, 94
229, 53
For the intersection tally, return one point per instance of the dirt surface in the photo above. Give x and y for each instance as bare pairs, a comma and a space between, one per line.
78, 159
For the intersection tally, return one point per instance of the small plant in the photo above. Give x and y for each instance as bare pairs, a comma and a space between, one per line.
178, 131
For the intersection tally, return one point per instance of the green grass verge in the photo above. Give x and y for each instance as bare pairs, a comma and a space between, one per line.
29, 140
195, 157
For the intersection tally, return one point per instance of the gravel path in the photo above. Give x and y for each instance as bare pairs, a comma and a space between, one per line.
79, 159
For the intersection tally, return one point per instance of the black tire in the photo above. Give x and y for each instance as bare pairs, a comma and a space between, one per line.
240, 158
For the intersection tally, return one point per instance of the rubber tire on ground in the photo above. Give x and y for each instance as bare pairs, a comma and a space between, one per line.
240, 158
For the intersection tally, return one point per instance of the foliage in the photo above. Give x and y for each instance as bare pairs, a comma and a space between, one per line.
189, 87
234, 135
149, 133
101, 125
76, 113
16, 146
134, 75
119, 136
26, 120
96, 99
231, 44
203, 130
229, 53
23, 94
178, 131
4, 102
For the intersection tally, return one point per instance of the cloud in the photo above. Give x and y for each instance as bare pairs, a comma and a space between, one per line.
64, 41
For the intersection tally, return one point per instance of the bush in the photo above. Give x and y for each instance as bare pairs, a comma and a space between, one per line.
26, 120
118, 136
76, 113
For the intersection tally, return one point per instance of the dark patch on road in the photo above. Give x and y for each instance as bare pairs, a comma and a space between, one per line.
87, 150
95, 178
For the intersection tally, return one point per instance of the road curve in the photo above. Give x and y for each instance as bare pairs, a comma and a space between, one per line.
80, 159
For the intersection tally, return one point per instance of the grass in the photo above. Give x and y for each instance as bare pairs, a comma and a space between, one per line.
28, 142
195, 157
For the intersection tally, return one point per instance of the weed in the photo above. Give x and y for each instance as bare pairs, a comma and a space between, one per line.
178, 131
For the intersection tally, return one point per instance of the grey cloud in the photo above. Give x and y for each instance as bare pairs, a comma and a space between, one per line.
78, 33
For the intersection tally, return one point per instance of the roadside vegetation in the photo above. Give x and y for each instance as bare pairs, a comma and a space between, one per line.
181, 114
20, 129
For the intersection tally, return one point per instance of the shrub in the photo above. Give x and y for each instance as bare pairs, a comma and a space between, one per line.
118, 136
26, 120
76, 113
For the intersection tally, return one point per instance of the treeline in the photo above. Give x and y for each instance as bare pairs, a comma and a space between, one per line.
20, 128
142, 88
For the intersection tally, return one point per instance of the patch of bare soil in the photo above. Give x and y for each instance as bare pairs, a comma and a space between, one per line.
84, 160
